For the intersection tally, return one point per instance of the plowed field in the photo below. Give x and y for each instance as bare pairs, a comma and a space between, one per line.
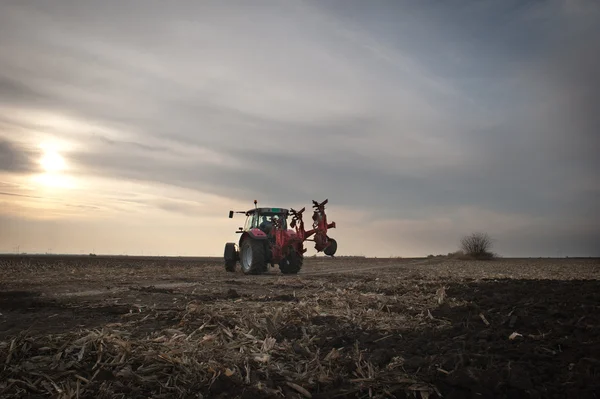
100, 327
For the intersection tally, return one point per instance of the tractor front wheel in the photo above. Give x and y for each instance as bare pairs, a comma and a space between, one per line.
292, 263
252, 256
230, 257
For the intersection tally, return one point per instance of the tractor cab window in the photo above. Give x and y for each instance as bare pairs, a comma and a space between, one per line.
283, 221
266, 222
251, 222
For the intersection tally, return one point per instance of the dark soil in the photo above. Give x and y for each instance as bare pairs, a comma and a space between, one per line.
498, 329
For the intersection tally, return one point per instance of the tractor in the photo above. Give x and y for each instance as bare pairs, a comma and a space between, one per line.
267, 239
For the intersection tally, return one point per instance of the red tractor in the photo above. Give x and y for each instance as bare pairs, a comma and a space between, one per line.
267, 239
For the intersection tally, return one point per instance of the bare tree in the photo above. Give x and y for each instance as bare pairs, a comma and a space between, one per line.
477, 245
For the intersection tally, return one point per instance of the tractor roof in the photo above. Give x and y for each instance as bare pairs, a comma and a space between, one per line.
268, 211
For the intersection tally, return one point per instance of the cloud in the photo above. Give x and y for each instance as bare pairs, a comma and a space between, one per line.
406, 113
18, 195
187, 208
14, 158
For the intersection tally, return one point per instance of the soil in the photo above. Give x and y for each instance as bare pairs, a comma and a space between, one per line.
349, 327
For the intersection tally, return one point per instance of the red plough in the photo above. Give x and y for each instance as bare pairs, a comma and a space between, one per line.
322, 241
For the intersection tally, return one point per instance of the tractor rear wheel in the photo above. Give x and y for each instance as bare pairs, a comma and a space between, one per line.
252, 256
292, 263
331, 249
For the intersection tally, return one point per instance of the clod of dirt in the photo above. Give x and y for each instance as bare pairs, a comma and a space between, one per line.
415, 362
300, 350
290, 332
231, 293
381, 357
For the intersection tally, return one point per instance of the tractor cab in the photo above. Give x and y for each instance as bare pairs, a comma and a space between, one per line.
265, 219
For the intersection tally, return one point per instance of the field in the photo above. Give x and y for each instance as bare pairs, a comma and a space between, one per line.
343, 328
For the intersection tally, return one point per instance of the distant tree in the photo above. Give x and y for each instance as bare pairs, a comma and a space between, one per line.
477, 245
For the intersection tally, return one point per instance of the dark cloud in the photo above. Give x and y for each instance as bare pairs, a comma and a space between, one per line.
14, 158
509, 185
14, 91
574, 74
570, 240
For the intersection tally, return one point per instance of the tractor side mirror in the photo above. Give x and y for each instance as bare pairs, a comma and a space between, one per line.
230, 214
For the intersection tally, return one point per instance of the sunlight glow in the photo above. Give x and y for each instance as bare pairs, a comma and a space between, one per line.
52, 161
54, 166
54, 180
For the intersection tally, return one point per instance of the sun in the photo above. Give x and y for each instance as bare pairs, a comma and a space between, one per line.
52, 161
54, 168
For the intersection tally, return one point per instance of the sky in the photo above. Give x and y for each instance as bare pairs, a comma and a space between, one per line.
134, 127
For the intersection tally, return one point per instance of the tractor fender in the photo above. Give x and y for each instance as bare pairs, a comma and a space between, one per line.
256, 234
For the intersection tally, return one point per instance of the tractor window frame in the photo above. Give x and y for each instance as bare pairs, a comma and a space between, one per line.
250, 222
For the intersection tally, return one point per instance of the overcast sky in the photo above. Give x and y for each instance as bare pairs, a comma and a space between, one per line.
134, 126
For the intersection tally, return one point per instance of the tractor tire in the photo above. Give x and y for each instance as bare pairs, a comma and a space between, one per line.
252, 256
230, 257
292, 263
331, 249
